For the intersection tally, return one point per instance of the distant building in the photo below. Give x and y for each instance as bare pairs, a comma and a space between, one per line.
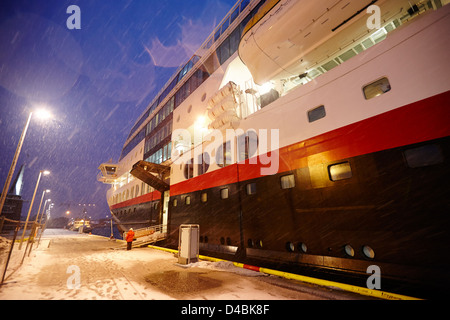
12, 208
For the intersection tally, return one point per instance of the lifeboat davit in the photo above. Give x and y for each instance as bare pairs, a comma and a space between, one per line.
286, 37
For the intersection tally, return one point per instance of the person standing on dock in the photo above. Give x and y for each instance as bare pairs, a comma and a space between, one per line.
129, 238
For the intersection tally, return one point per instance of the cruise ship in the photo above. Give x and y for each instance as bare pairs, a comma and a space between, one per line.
306, 133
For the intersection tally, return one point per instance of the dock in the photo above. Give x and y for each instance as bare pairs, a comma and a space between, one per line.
72, 266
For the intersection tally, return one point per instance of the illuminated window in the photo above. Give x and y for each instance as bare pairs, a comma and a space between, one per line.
288, 182
377, 88
187, 200
224, 156
204, 197
175, 202
340, 171
224, 193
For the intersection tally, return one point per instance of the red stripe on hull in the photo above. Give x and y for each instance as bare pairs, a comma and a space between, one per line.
152, 196
424, 120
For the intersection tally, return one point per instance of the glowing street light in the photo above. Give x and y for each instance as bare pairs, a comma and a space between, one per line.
45, 173
42, 115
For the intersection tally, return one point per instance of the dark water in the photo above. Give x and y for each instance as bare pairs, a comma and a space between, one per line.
106, 232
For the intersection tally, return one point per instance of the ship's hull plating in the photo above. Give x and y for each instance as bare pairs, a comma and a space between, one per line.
396, 201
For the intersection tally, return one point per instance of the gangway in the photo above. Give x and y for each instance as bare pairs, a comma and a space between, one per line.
148, 235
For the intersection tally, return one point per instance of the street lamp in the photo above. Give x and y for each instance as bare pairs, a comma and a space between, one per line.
40, 114
43, 209
40, 204
45, 173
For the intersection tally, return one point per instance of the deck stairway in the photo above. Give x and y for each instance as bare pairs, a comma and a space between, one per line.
152, 174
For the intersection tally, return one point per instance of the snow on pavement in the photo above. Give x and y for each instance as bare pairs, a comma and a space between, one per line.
69, 266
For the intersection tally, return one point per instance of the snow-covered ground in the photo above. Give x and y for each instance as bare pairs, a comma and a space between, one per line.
70, 266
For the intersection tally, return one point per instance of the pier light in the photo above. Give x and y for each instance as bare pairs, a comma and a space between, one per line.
42, 172
43, 114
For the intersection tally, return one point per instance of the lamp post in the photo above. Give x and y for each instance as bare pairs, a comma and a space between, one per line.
31, 205
41, 114
40, 204
43, 209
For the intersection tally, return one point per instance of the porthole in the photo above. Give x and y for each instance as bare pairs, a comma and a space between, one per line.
250, 243
368, 252
290, 247
204, 97
259, 244
228, 241
349, 251
222, 240
302, 247
189, 109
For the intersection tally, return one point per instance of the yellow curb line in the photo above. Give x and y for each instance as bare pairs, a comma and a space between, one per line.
346, 287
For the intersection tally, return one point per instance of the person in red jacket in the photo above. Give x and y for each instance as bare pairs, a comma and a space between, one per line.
129, 238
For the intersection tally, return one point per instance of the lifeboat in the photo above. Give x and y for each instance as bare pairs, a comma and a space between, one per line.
222, 107
286, 37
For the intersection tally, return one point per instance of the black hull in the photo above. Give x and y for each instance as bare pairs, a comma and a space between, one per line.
400, 212
137, 216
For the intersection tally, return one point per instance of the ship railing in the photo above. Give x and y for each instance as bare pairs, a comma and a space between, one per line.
148, 235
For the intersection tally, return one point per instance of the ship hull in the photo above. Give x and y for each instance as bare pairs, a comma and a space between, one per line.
395, 202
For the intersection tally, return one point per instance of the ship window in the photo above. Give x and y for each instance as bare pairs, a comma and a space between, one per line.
234, 15
225, 25
340, 171
316, 114
204, 197
187, 200
175, 202
244, 4
224, 155
377, 88
247, 145
251, 188
424, 156
288, 182
217, 35
189, 169
224, 193
203, 163
110, 170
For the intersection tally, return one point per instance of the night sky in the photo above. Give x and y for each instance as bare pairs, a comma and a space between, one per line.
96, 81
